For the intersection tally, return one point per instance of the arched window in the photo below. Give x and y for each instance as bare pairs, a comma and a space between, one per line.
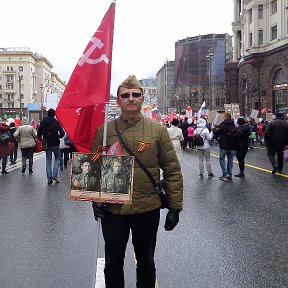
280, 77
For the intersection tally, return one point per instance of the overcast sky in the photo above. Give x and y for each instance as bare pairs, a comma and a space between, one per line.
145, 31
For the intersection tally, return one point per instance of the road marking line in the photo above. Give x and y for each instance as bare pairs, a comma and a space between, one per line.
255, 167
100, 280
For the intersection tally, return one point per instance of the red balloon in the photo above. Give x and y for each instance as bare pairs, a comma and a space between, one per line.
189, 108
17, 121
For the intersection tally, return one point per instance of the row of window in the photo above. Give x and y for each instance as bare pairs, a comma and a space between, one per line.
273, 36
273, 9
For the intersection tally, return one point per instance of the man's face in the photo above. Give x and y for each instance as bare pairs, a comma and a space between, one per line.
86, 167
131, 103
117, 167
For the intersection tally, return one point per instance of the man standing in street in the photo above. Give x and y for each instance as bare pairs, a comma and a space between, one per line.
143, 216
51, 130
228, 145
276, 138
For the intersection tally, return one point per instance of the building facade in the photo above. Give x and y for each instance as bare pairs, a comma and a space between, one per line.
25, 78
260, 40
199, 70
165, 83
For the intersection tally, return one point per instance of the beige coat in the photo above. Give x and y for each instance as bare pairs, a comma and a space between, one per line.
161, 154
25, 135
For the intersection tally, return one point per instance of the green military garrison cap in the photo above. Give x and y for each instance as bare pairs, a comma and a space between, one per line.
131, 83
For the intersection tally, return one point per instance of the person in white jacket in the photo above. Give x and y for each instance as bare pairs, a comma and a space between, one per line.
176, 137
204, 151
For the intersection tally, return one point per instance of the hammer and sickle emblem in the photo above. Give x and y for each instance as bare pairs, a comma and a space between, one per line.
97, 43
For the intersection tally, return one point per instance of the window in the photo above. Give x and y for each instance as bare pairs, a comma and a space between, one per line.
260, 37
250, 16
250, 39
260, 11
274, 7
274, 32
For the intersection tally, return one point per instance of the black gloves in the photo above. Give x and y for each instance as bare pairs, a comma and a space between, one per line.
98, 210
172, 218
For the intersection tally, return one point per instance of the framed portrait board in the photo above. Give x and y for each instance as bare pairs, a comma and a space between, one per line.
107, 180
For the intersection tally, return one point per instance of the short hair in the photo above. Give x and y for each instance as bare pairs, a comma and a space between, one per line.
175, 122
51, 112
227, 115
241, 121
84, 159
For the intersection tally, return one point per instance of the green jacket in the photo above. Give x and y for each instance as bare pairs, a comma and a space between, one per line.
161, 154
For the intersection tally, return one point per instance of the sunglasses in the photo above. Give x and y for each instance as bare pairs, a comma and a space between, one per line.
134, 95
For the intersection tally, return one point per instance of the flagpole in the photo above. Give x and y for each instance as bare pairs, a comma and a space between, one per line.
105, 126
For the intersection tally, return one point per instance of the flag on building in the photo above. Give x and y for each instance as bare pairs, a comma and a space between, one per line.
81, 108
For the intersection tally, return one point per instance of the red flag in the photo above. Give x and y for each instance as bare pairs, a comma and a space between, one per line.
81, 108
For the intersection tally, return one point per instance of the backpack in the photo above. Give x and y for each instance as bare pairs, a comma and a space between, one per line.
198, 139
4, 137
235, 133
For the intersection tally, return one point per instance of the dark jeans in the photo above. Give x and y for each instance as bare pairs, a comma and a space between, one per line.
116, 229
271, 152
64, 153
13, 155
27, 153
4, 162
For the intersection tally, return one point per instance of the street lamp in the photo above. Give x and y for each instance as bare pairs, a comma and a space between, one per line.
209, 57
20, 94
41, 105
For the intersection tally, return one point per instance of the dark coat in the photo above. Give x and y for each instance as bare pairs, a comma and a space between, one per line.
51, 130
276, 133
225, 140
4, 149
243, 139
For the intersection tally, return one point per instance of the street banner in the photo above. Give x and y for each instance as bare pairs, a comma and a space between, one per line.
254, 113
233, 109
269, 117
81, 109
219, 118
211, 116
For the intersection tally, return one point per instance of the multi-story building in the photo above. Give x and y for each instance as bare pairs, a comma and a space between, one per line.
165, 83
199, 70
25, 78
150, 90
260, 32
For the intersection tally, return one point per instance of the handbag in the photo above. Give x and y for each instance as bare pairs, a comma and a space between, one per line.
160, 188
38, 145
4, 137
252, 135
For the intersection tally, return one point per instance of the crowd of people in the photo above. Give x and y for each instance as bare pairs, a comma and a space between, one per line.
24, 136
234, 137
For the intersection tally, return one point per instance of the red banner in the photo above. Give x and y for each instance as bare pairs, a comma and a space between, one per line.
81, 108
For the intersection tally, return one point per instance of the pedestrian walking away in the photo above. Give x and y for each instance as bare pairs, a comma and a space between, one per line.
14, 152
227, 139
276, 138
142, 217
5, 137
176, 136
243, 144
204, 150
51, 130
26, 135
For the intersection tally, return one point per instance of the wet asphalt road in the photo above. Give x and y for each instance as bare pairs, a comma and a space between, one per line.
230, 234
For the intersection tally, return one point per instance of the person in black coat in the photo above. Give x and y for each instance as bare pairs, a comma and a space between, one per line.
228, 145
243, 145
51, 130
276, 138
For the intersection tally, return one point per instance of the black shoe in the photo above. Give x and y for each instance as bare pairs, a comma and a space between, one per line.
30, 171
4, 172
240, 175
55, 178
274, 170
279, 170
210, 174
201, 175
23, 170
49, 182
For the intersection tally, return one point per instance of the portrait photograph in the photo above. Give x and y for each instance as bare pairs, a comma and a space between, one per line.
108, 180
85, 177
